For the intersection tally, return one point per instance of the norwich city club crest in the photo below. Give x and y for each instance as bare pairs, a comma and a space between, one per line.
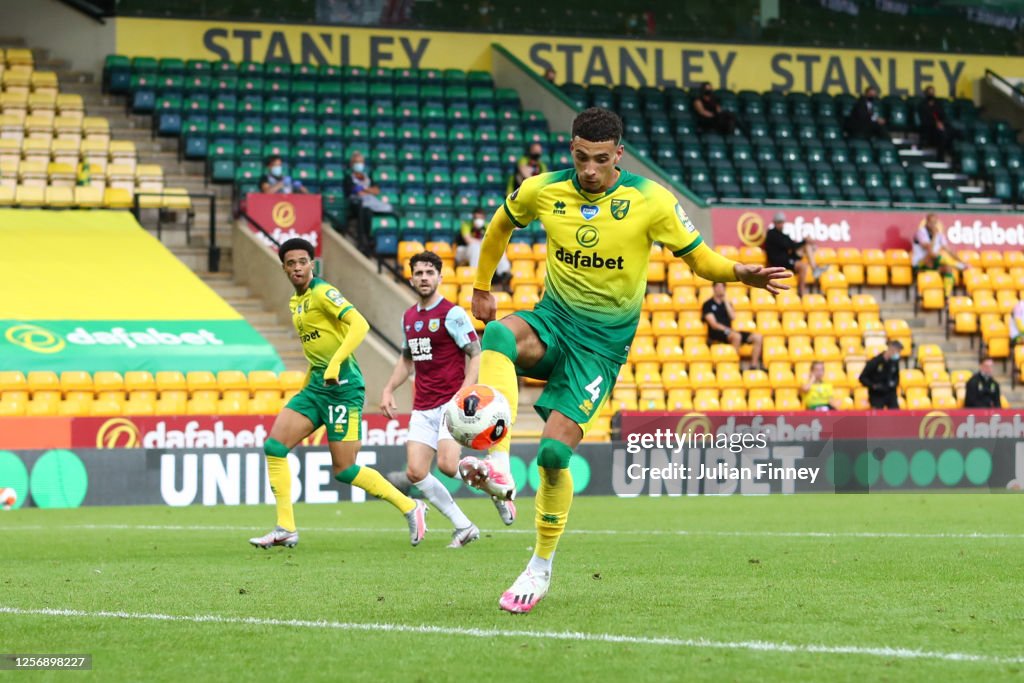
620, 207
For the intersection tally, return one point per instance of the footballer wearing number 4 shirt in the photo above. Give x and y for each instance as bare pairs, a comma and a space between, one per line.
600, 221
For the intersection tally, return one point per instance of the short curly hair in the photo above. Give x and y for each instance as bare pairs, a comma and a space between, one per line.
597, 125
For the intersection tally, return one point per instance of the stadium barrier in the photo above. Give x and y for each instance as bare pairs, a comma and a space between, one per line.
861, 229
182, 464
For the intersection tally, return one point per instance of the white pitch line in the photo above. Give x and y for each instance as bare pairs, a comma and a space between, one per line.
580, 636
597, 532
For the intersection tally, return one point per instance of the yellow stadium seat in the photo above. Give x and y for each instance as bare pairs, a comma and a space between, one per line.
679, 399
170, 380
724, 353
232, 379
12, 408
145, 406
117, 198
7, 195
651, 399
674, 375
203, 405
265, 405
900, 271
29, 196
139, 380
408, 249
13, 380
752, 255
678, 274
263, 380
176, 199
107, 380
74, 408
59, 197
200, 380
88, 197
233, 406
171, 403
43, 380
42, 408
75, 380
292, 380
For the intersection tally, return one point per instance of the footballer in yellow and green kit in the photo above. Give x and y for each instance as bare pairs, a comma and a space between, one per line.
598, 248
319, 317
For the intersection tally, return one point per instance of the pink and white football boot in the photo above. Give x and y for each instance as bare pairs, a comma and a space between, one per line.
529, 589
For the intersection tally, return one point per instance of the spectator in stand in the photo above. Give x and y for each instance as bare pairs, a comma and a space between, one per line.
528, 166
467, 253
710, 117
864, 121
935, 130
881, 375
363, 195
274, 181
718, 313
982, 388
931, 252
550, 76
1017, 323
782, 250
817, 392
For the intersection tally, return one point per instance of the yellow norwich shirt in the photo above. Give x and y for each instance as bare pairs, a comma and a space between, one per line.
598, 248
818, 395
316, 314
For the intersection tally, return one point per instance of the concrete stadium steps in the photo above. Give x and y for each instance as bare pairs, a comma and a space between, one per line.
265, 321
928, 328
190, 250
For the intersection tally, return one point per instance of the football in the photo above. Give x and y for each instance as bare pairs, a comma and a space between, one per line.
478, 416
8, 497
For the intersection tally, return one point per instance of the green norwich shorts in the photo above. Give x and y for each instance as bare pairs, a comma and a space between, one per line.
340, 407
578, 380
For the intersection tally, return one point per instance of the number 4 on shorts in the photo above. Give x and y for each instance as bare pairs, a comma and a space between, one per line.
594, 389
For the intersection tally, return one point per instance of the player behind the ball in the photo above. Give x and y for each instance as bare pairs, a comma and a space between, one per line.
330, 329
600, 222
443, 350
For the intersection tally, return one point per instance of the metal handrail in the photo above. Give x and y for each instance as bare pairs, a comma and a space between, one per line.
212, 250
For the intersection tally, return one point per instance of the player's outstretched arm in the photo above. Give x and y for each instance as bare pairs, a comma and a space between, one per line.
357, 329
492, 249
710, 265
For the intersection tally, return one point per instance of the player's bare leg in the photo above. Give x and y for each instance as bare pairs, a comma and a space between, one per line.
343, 459
420, 456
554, 498
289, 429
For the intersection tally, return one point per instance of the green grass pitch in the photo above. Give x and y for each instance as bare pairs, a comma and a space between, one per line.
870, 587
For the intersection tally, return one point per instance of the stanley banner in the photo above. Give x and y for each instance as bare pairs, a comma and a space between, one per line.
578, 60
100, 293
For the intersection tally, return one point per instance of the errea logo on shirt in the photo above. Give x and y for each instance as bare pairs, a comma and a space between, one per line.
559, 209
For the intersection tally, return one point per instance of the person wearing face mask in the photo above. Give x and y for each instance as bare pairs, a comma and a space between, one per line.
528, 166
710, 116
470, 238
864, 121
274, 181
935, 129
363, 195
881, 375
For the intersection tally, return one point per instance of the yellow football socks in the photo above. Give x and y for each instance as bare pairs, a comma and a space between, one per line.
281, 484
554, 496
374, 483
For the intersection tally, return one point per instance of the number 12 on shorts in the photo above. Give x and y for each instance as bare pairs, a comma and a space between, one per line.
337, 414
